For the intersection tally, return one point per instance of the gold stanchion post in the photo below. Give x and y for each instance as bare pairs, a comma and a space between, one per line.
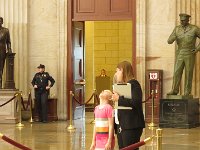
95, 102
152, 124
159, 138
71, 126
31, 119
19, 109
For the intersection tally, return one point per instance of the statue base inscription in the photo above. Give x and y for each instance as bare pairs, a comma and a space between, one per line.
8, 113
179, 113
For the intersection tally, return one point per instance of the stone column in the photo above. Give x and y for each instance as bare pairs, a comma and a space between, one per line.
10, 83
141, 8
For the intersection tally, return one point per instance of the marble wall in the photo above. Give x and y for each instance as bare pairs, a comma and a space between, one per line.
159, 23
47, 45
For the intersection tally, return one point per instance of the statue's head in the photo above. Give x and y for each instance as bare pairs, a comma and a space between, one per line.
184, 18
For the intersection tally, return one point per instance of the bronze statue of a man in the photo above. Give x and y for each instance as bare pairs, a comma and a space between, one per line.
185, 36
5, 46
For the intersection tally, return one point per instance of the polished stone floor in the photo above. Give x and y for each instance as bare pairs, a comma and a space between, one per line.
55, 136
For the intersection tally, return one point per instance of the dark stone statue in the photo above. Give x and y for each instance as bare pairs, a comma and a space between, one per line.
5, 47
185, 36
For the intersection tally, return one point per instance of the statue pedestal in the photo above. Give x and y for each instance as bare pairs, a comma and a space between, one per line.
8, 113
179, 113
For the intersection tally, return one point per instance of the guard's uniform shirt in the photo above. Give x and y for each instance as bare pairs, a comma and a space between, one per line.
42, 81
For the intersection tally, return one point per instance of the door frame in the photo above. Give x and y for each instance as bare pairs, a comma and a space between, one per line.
69, 47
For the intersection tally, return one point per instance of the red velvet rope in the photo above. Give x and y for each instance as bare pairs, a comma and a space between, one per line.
134, 146
8, 101
89, 99
146, 99
15, 143
22, 102
77, 100
85, 102
28, 103
98, 101
97, 98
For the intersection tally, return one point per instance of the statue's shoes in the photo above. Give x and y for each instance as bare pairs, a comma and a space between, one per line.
172, 93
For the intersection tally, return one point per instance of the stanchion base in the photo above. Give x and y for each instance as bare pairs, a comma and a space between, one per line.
31, 120
152, 124
20, 125
71, 127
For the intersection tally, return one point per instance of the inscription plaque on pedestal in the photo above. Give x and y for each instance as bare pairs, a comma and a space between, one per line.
179, 113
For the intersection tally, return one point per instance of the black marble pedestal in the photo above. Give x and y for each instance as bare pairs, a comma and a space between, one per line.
179, 113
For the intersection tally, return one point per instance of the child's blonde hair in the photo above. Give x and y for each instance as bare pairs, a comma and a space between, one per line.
109, 97
109, 94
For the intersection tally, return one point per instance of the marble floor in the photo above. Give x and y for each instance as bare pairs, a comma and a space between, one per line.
55, 136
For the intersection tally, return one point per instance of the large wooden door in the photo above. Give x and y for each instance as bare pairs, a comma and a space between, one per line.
78, 69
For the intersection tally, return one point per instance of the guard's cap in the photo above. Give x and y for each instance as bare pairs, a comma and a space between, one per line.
41, 66
184, 16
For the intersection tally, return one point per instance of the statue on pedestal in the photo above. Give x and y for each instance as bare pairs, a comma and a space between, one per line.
5, 47
185, 36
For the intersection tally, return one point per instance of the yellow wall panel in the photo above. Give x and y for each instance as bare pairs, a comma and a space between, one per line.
111, 43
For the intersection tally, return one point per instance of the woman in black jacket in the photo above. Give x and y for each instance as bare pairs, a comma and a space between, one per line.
130, 122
